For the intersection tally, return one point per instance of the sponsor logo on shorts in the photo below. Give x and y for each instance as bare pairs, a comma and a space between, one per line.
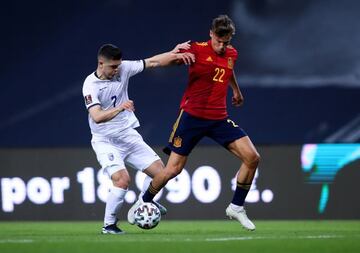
111, 156
177, 142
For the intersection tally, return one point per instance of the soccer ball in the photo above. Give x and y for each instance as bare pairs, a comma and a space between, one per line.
147, 216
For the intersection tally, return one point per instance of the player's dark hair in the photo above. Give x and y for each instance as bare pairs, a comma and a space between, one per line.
223, 26
110, 52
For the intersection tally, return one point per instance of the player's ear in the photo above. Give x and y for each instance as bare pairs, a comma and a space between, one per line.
100, 63
211, 34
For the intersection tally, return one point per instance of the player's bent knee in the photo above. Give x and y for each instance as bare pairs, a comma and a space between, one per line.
253, 160
120, 178
121, 183
256, 157
171, 173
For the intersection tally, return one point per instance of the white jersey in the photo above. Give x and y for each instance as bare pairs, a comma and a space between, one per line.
111, 93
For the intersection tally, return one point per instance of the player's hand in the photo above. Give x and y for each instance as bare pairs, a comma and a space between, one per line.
128, 105
237, 100
186, 58
182, 46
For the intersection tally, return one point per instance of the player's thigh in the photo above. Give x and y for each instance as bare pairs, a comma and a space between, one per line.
141, 157
109, 157
225, 132
244, 149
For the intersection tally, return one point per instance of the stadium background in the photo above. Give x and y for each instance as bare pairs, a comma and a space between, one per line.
298, 69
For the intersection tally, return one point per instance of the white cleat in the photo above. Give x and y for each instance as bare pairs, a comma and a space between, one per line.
241, 216
131, 212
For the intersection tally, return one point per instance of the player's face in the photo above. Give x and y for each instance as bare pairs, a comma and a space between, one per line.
219, 44
109, 68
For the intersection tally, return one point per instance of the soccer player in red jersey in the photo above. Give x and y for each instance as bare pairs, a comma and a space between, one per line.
203, 113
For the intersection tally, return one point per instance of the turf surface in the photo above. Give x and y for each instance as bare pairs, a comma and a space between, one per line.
183, 236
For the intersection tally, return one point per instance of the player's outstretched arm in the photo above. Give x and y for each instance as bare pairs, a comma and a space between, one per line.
237, 99
99, 115
171, 57
182, 46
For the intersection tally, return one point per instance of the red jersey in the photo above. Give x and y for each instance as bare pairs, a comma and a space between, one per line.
205, 95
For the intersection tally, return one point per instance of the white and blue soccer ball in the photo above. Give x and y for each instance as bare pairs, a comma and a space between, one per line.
147, 216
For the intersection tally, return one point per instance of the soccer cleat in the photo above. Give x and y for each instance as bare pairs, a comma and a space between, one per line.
162, 208
241, 217
112, 229
131, 212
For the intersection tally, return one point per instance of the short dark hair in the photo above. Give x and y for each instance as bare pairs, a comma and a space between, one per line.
110, 52
223, 26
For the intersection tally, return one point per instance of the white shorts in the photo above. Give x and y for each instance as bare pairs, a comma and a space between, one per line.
128, 149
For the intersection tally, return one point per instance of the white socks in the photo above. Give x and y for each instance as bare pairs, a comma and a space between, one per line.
146, 183
114, 202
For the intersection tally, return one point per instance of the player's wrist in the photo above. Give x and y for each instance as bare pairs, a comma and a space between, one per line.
120, 109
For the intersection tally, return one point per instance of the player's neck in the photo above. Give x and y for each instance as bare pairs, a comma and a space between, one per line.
99, 74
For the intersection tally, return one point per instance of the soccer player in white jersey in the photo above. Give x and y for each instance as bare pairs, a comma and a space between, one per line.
112, 122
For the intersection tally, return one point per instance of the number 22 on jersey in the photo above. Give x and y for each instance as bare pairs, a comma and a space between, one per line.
219, 74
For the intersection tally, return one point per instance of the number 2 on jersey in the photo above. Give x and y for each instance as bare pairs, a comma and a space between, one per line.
219, 74
114, 100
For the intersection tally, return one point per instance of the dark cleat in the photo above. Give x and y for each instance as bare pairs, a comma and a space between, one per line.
162, 208
112, 229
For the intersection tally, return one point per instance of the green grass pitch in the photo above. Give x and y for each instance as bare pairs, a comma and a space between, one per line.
182, 236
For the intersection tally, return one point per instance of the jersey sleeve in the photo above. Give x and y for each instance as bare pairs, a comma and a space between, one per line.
233, 53
90, 95
132, 68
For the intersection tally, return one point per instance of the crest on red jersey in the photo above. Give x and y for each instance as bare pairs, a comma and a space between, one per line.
230, 63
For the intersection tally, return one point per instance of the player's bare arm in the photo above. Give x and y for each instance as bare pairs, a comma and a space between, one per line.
182, 46
237, 99
99, 115
171, 57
